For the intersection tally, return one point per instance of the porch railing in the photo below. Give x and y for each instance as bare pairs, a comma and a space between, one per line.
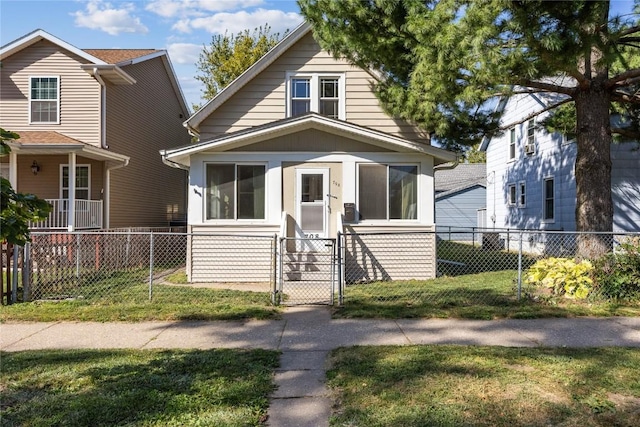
88, 214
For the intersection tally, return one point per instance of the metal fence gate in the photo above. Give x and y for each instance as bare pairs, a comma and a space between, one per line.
308, 271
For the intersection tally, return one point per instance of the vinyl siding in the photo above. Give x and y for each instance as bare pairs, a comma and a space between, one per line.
460, 209
79, 92
141, 120
263, 99
312, 140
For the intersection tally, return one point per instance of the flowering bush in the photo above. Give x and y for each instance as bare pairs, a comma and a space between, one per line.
563, 276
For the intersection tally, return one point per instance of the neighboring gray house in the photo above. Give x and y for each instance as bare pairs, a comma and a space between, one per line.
530, 173
460, 194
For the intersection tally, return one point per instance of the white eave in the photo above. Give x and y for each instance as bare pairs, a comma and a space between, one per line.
110, 72
38, 35
181, 156
81, 149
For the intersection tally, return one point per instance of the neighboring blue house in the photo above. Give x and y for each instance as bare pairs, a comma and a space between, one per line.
460, 193
530, 173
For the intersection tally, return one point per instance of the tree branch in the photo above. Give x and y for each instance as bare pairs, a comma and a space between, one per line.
536, 113
548, 87
631, 30
625, 97
626, 132
619, 80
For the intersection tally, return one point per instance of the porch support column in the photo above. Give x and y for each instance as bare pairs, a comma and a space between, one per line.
13, 170
106, 197
71, 207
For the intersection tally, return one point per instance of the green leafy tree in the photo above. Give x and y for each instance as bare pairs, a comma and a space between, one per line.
228, 56
442, 63
17, 209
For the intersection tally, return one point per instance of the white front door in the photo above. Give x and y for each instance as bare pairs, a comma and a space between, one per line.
312, 202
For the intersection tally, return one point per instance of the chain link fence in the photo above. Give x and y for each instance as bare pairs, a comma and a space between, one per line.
472, 266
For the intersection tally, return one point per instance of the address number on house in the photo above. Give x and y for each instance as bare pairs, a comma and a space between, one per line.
312, 235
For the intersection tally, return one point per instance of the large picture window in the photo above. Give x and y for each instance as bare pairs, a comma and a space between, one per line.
235, 191
44, 99
317, 92
387, 192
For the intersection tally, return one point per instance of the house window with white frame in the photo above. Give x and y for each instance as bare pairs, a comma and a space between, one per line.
387, 192
44, 99
530, 143
549, 199
511, 194
512, 144
235, 191
522, 201
317, 92
83, 183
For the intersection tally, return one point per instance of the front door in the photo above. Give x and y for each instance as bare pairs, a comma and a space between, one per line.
312, 203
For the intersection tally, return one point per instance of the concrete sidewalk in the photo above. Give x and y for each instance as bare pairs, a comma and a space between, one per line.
305, 335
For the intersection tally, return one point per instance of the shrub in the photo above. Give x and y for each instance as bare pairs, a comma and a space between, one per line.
617, 275
563, 276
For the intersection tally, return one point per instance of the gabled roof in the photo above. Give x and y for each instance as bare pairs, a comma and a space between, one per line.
460, 178
105, 62
181, 155
193, 122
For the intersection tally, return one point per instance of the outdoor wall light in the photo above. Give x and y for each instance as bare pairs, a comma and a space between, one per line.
35, 167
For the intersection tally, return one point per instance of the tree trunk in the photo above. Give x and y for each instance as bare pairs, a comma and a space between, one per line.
594, 205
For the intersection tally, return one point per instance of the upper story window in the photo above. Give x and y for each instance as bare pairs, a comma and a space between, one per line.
317, 92
387, 191
530, 143
44, 100
512, 143
522, 202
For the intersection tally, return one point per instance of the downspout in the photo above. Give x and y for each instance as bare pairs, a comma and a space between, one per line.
103, 107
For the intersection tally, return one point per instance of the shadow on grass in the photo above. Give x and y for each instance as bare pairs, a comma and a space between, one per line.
456, 259
153, 388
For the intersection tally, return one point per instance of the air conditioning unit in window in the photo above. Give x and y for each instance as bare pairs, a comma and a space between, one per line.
529, 148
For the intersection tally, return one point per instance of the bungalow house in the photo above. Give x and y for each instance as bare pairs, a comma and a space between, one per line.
91, 122
460, 196
530, 173
298, 147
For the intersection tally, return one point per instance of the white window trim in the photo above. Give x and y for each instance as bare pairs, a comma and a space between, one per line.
235, 190
522, 185
515, 192
544, 199
387, 221
530, 140
62, 166
57, 122
512, 141
315, 91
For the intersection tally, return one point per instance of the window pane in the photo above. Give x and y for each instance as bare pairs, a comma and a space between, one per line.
372, 191
251, 197
44, 95
548, 199
329, 88
312, 187
329, 108
220, 191
403, 192
300, 88
82, 177
300, 107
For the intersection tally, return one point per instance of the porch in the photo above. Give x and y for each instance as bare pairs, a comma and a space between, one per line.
86, 214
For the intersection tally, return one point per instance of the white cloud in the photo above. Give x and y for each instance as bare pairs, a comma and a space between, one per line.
184, 53
236, 22
182, 8
99, 15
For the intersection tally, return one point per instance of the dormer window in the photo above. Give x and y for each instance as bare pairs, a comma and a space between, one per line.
317, 92
44, 100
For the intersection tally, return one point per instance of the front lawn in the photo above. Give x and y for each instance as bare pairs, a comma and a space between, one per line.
133, 387
484, 386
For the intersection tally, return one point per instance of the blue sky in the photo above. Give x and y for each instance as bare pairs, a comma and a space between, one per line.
181, 27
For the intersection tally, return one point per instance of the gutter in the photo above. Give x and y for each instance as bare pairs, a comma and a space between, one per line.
171, 163
103, 108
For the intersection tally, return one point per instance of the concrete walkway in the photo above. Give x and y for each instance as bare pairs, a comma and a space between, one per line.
305, 335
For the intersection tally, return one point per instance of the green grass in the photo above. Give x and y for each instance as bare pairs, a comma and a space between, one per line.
484, 386
133, 387
487, 295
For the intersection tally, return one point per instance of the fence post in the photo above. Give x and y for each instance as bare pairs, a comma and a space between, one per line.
473, 237
77, 265
26, 272
14, 278
150, 266
520, 267
339, 260
274, 288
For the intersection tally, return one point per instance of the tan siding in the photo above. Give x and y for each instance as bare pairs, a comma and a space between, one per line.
311, 140
79, 92
378, 257
46, 184
141, 120
263, 99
